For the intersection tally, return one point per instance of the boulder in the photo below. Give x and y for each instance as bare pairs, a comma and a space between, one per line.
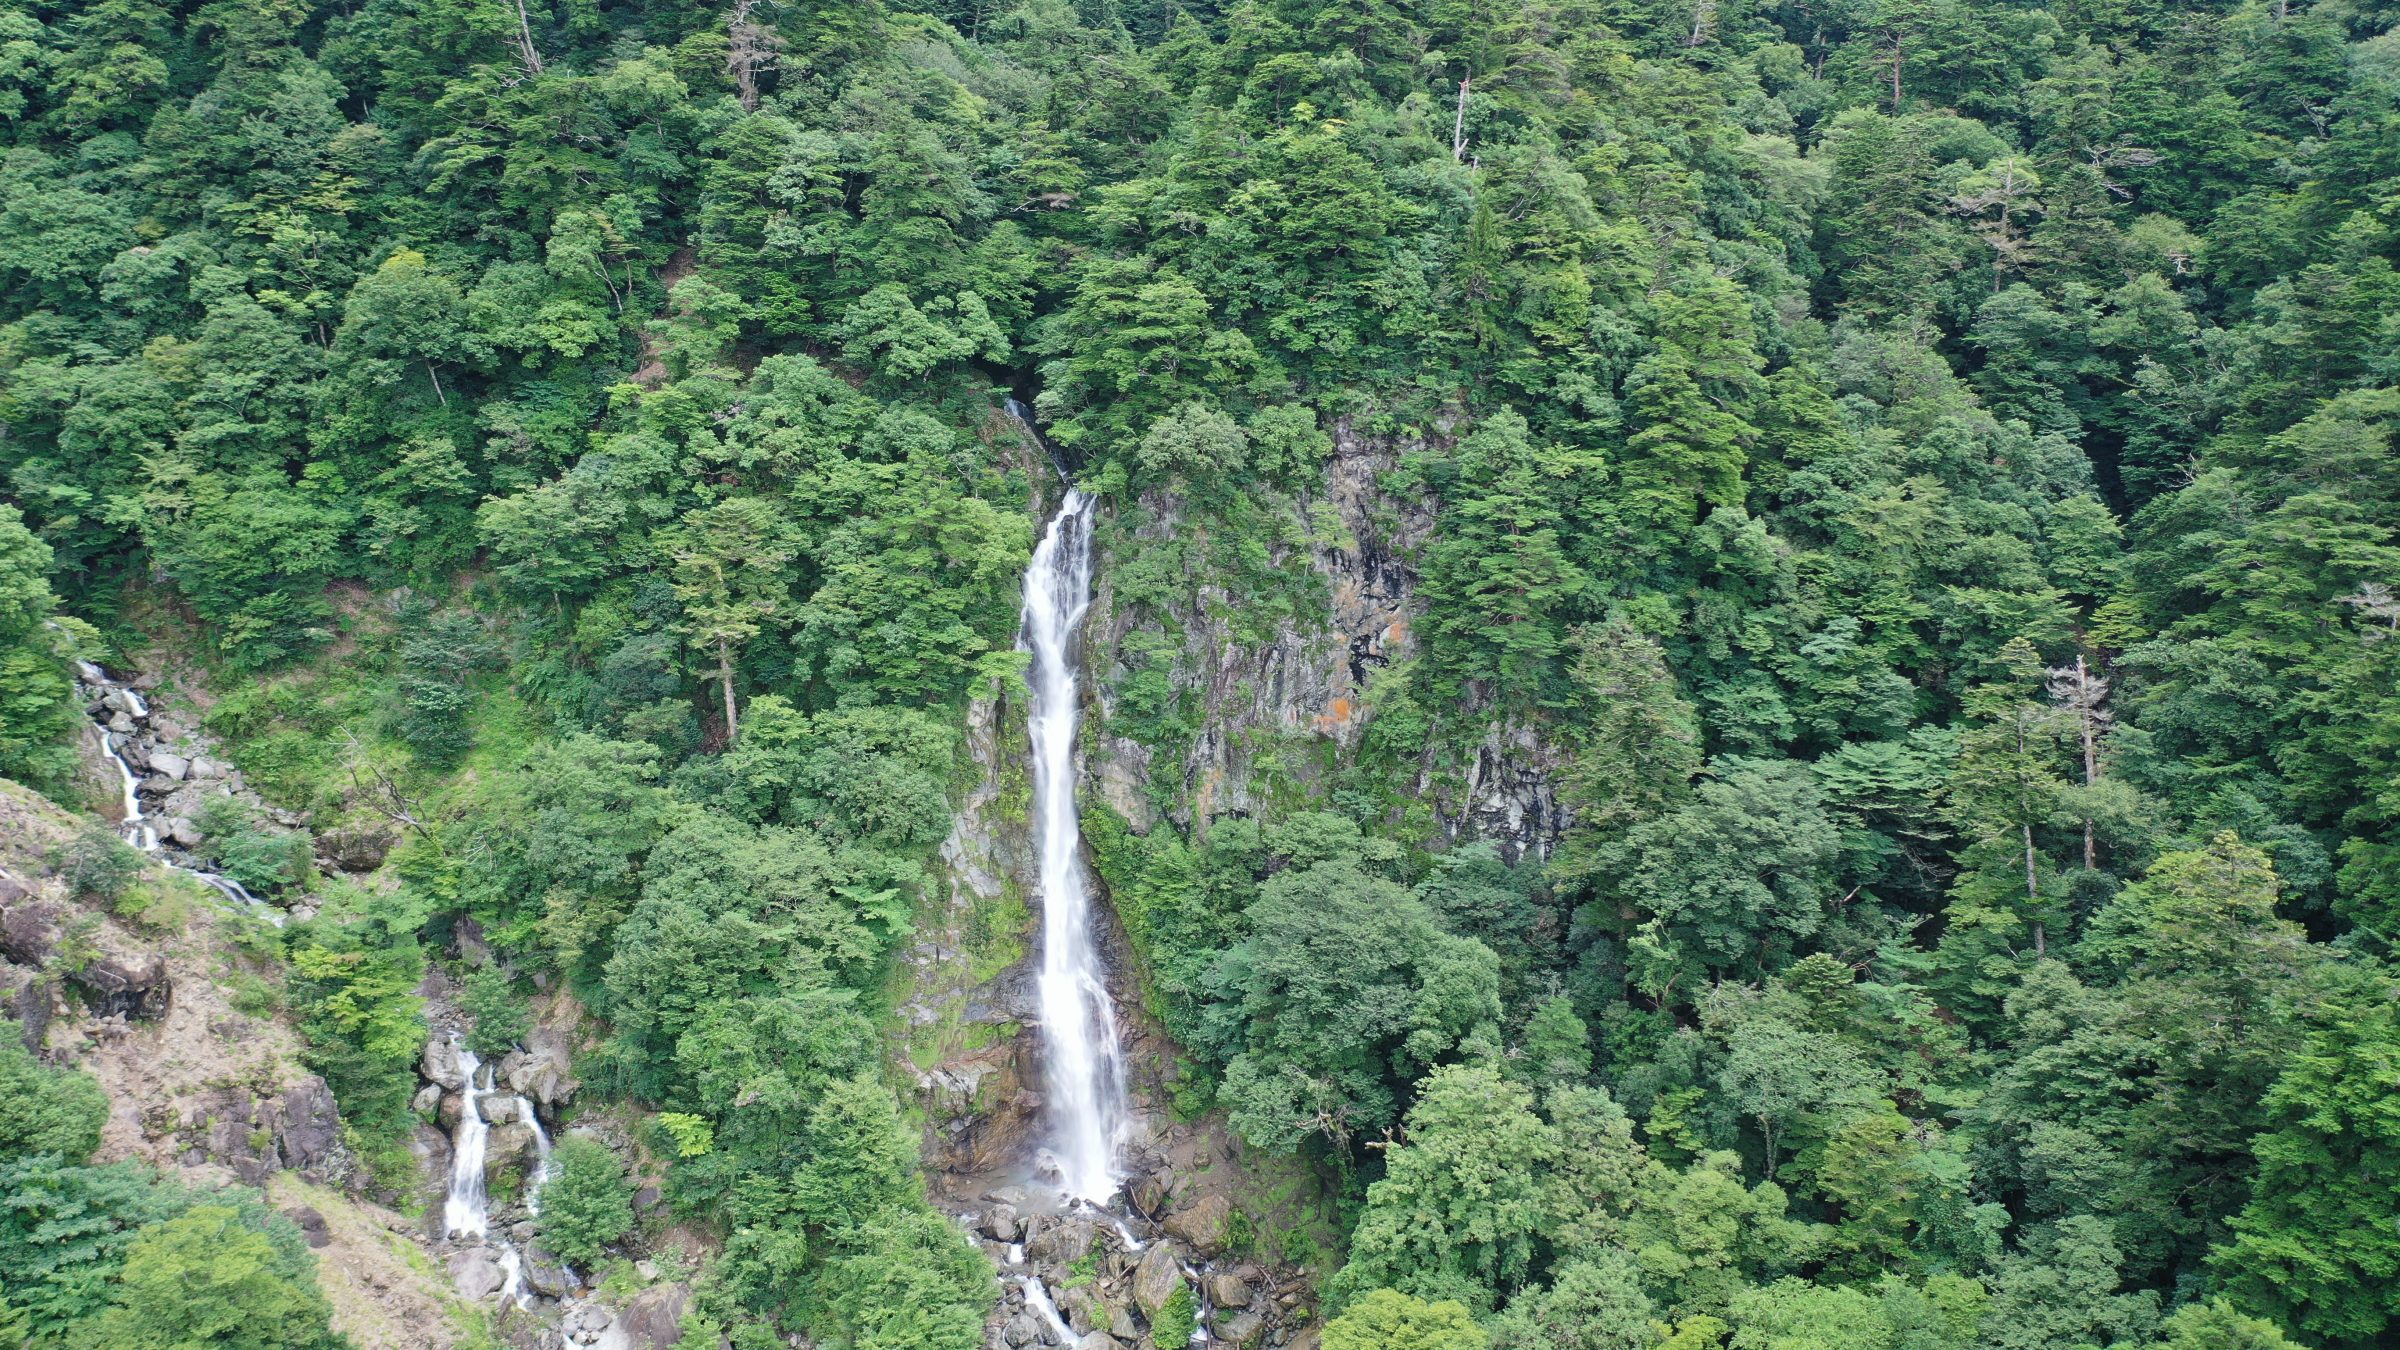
440, 1063
1060, 1242
476, 1276
312, 1225
205, 768
27, 997
135, 987
511, 1143
546, 1274
1157, 1278
1306, 1338
182, 833
30, 932
654, 1320
1000, 1223
1202, 1223
1146, 1194
1099, 1340
1121, 1323
1022, 1330
356, 848
171, 767
308, 1127
431, 1148
427, 1101
543, 1069
1244, 1329
1228, 1290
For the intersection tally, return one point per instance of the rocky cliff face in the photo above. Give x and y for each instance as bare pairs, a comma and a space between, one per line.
195, 1084
1276, 717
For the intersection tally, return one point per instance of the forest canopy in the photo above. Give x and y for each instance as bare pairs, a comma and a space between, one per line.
1923, 470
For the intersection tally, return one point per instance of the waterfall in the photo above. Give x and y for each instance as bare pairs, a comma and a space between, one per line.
136, 827
464, 1213
1079, 1021
541, 1156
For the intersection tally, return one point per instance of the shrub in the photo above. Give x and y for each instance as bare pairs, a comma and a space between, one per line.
499, 1016
55, 1112
588, 1205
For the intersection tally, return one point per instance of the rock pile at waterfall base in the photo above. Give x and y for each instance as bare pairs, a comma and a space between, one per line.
1110, 1291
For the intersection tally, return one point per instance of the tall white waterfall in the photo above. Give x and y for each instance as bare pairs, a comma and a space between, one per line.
1079, 1021
466, 1212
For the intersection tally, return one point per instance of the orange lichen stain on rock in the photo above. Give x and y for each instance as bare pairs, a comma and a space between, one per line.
1395, 633
1335, 717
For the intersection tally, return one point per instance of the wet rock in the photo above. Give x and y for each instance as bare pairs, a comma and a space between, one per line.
1157, 1278
1244, 1329
654, 1320
1202, 1223
511, 1142
358, 848
1147, 1194
1023, 1329
312, 1225
476, 1276
546, 1274
1000, 1223
135, 987
308, 1125
1060, 1242
30, 932
431, 1148
440, 1063
170, 767
1228, 1290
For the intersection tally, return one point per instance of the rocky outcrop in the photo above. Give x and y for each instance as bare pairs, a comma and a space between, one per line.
136, 986
654, 1320
1274, 713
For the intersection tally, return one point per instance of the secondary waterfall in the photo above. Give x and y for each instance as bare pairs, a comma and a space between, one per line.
1079, 1020
136, 827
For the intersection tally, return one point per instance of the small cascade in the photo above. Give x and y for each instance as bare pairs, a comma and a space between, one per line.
1037, 1297
137, 828
466, 1212
541, 1156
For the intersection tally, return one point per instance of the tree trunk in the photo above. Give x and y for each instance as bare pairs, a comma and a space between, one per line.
725, 679
533, 59
2033, 891
437, 384
2091, 763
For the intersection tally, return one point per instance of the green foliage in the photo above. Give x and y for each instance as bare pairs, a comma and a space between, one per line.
36, 694
98, 865
1385, 1319
43, 1110
108, 1256
588, 1204
208, 1278
1877, 744
497, 1017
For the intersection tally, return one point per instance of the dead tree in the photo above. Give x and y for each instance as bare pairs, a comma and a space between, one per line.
2085, 696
